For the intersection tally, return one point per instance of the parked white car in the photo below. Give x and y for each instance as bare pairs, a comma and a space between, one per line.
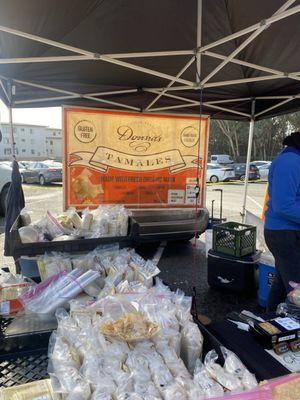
260, 163
264, 171
217, 173
221, 159
5, 180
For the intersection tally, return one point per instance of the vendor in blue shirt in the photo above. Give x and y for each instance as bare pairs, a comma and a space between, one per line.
282, 219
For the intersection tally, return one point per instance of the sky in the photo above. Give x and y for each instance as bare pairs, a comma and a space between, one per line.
38, 116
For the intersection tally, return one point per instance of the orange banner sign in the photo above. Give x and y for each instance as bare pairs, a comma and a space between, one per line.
140, 160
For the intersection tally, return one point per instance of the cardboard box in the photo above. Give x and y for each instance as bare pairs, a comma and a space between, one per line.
276, 331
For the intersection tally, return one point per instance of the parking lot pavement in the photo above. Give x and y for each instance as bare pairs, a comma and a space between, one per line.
233, 199
39, 199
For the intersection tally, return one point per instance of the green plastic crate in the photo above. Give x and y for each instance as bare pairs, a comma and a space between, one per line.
235, 239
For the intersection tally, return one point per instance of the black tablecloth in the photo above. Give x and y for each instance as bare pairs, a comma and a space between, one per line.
252, 354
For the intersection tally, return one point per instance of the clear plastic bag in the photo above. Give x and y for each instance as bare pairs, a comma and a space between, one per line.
28, 234
56, 291
131, 287
63, 352
25, 217
228, 380
173, 391
161, 375
130, 327
170, 337
99, 395
203, 380
289, 310
162, 290
160, 310
234, 366
66, 222
71, 383
294, 295
53, 227
191, 345
173, 362
183, 307
52, 264
87, 220
75, 218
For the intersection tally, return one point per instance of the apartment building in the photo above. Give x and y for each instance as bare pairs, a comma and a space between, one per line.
54, 143
33, 142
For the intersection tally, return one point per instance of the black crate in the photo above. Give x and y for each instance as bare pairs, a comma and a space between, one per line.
23, 368
24, 333
17, 248
234, 239
232, 274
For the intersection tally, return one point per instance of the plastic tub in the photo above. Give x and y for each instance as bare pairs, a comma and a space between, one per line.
266, 275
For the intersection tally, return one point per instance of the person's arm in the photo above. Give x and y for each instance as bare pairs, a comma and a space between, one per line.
285, 186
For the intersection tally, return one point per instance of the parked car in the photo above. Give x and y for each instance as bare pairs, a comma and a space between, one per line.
240, 172
217, 173
5, 180
28, 175
264, 171
260, 163
221, 159
48, 172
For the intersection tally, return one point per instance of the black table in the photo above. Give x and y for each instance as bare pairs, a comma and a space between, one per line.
252, 354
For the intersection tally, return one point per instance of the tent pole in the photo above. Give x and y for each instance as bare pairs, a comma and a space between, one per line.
4, 89
275, 106
10, 120
252, 28
250, 141
292, 75
224, 83
244, 44
145, 70
196, 103
73, 94
229, 100
186, 66
199, 39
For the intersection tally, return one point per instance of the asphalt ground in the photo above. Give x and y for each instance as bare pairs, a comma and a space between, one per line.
182, 265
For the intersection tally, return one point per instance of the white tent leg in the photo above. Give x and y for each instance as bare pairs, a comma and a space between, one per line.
249, 151
10, 120
199, 39
11, 131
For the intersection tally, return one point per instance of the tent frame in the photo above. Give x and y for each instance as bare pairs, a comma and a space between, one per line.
194, 57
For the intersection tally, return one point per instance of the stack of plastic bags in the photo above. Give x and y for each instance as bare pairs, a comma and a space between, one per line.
105, 221
97, 274
138, 343
56, 291
113, 264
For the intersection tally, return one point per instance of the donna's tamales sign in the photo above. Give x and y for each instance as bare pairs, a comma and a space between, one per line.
133, 159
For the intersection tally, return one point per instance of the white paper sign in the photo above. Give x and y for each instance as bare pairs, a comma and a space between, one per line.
289, 360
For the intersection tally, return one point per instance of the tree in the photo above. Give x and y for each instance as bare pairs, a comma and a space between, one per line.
267, 138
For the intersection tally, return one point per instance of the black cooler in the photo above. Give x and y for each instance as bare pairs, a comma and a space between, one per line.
236, 274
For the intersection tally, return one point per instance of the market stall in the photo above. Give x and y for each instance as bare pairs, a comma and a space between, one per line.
172, 71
